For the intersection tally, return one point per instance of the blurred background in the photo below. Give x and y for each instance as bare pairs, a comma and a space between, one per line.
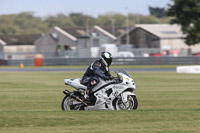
74, 32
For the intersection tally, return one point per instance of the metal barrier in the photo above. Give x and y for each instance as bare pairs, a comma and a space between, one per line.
3, 62
116, 61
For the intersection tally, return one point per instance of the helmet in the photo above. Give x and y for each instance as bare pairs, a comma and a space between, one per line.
106, 58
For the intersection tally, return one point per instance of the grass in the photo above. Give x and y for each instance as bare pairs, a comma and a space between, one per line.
30, 102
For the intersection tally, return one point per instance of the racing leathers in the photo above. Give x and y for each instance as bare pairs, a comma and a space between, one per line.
92, 74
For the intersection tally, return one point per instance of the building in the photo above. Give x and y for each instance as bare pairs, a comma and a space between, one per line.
163, 36
11, 46
104, 38
81, 42
105, 35
55, 41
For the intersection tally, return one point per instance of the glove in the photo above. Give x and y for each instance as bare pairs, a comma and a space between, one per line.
111, 77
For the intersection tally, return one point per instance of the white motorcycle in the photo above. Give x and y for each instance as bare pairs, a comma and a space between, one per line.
116, 94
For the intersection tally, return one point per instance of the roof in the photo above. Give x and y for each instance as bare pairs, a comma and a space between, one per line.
21, 39
117, 30
105, 32
163, 30
65, 33
76, 32
2, 42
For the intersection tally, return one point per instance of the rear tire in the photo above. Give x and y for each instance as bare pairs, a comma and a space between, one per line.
67, 104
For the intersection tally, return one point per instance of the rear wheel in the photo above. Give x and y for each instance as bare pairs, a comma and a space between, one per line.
69, 103
131, 104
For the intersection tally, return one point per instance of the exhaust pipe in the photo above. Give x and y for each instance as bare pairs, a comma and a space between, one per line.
71, 94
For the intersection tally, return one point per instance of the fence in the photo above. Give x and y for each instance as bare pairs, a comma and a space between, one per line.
3, 62
116, 61
138, 52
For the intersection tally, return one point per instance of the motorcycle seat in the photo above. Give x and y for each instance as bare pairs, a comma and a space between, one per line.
75, 83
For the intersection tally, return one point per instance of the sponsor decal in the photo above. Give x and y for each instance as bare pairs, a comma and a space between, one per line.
108, 101
99, 101
118, 87
115, 94
127, 79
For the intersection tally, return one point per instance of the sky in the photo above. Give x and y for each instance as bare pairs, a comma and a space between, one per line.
93, 8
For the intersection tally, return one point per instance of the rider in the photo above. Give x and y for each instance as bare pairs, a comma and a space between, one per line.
99, 68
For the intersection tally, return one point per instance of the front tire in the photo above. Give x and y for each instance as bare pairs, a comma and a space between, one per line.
131, 104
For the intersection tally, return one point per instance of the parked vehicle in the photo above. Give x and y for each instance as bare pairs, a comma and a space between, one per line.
196, 54
125, 54
116, 94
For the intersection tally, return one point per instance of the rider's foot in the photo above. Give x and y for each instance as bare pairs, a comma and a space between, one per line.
87, 93
86, 98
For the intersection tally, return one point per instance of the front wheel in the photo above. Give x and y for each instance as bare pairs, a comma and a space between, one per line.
69, 103
131, 104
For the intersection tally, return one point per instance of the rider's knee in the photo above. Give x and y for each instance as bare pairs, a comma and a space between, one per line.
93, 82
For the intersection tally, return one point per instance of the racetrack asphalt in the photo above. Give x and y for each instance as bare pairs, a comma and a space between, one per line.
83, 69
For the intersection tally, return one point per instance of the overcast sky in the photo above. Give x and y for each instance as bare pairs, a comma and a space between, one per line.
93, 8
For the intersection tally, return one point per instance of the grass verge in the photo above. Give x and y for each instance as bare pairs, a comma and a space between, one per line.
30, 102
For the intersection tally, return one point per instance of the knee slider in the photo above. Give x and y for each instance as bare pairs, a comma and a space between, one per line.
93, 82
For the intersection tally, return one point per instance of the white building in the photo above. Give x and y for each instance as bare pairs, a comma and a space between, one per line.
163, 36
12, 46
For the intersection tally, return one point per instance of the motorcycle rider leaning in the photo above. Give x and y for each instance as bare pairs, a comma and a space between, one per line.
99, 68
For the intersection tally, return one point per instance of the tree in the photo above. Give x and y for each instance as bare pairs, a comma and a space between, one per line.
23, 23
81, 20
27, 23
186, 13
105, 20
142, 19
157, 12
59, 20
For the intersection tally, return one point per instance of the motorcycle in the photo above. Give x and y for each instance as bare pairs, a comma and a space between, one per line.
115, 94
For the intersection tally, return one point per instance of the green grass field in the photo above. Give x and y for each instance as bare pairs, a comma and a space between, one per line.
30, 102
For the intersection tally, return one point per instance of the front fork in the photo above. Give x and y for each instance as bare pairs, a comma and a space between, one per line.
124, 97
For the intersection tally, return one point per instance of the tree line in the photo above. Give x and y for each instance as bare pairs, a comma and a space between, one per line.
28, 23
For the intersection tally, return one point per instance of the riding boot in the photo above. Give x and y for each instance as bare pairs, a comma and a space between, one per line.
87, 93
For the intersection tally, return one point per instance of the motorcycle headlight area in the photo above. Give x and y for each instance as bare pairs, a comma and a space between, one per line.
120, 77
129, 81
